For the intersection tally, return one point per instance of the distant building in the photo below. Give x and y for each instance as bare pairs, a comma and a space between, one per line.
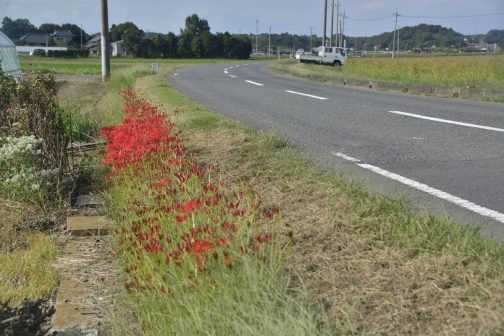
117, 49
63, 37
34, 39
94, 45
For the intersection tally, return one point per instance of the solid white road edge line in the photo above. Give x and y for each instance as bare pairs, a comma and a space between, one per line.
448, 121
499, 217
250, 82
306, 95
346, 157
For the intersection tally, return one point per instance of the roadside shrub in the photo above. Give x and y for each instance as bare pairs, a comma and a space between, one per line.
32, 136
20, 172
39, 52
70, 53
30, 108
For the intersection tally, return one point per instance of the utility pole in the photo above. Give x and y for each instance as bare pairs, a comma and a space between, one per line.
343, 30
105, 46
324, 35
395, 30
257, 33
332, 24
269, 42
337, 23
311, 37
398, 39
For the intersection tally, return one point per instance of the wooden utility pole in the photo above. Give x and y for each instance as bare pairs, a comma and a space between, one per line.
324, 35
395, 30
269, 42
105, 43
311, 36
332, 24
338, 23
342, 43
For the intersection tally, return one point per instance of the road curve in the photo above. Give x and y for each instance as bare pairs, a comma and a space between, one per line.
446, 156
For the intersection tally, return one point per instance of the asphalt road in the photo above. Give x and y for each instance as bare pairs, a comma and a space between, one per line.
446, 156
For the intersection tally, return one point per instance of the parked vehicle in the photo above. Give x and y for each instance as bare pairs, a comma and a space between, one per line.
323, 55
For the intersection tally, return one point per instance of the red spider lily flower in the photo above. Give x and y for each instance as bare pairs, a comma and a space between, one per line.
154, 247
190, 206
229, 227
180, 219
202, 247
263, 238
223, 241
239, 213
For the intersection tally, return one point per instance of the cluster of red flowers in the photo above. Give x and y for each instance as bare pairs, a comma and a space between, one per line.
173, 218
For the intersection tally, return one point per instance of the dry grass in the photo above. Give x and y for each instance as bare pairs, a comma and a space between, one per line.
376, 268
25, 255
367, 286
469, 77
458, 71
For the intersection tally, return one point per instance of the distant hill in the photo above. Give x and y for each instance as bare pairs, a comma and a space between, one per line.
495, 36
423, 36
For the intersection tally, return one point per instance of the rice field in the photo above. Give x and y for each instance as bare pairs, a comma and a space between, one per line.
480, 72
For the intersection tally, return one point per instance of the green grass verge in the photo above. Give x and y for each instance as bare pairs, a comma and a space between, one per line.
92, 65
27, 273
246, 301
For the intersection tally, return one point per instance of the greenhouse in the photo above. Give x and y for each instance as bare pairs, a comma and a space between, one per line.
9, 59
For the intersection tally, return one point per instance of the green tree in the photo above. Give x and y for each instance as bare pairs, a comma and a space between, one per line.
171, 40
227, 44
132, 41
17, 28
117, 31
182, 48
211, 45
242, 47
49, 28
76, 30
194, 26
197, 47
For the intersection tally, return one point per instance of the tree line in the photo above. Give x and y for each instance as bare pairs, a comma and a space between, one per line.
194, 41
15, 29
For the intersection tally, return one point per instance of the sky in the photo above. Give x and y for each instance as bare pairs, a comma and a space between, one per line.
239, 16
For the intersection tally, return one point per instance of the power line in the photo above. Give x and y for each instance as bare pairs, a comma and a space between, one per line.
369, 20
451, 17
425, 17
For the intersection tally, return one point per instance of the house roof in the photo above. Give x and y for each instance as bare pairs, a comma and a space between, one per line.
93, 42
63, 34
35, 38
